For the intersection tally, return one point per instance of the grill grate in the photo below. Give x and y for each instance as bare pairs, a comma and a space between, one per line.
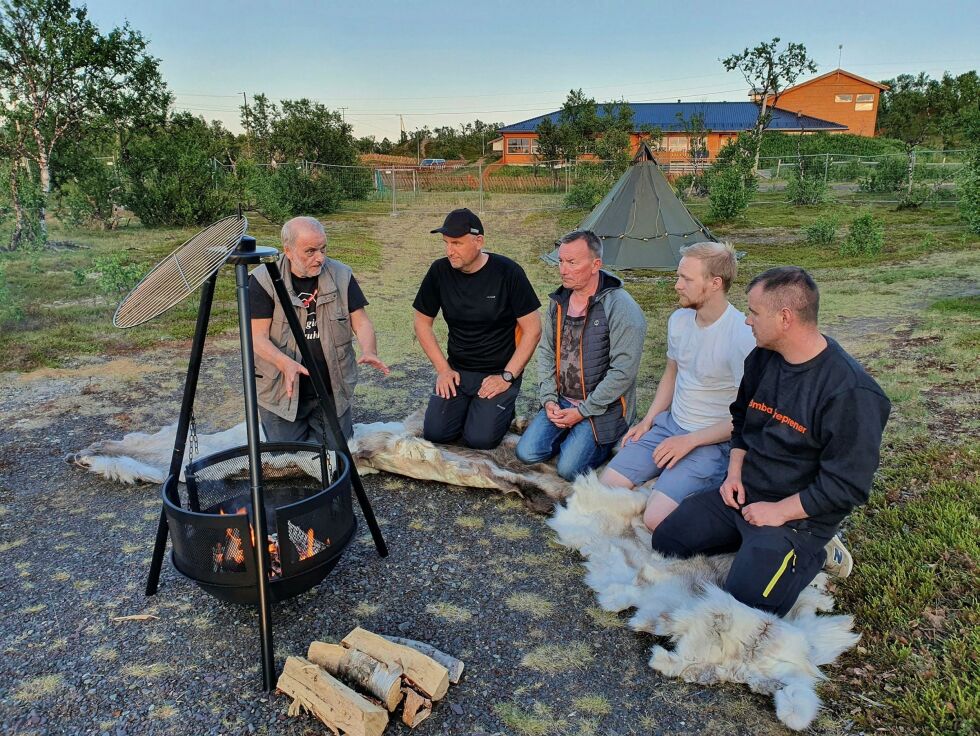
181, 273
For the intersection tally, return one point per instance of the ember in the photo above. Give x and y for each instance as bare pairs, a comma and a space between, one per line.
229, 556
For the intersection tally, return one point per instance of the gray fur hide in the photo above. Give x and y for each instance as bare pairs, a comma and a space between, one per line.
714, 637
395, 447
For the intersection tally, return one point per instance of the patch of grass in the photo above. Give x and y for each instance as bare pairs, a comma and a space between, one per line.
530, 603
470, 522
366, 609
145, 671
511, 532
536, 722
605, 619
915, 590
7, 546
449, 612
31, 610
554, 658
105, 653
34, 689
593, 704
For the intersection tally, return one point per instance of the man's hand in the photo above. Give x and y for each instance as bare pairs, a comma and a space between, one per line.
291, 370
635, 432
672, 450
567, 418
732, 491
493, 385
551, 410
762, 513
446, 383
374, 361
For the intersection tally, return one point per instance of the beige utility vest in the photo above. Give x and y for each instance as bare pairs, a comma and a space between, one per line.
336, 338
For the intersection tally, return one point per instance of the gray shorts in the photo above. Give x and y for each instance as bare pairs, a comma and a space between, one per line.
702, 469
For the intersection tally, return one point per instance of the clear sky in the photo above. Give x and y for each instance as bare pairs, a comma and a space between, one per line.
443, 63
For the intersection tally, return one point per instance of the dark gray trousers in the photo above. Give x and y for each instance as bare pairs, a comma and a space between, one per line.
468, 419
308, 426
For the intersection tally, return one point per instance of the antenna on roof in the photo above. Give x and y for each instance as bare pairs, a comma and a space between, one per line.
840, 52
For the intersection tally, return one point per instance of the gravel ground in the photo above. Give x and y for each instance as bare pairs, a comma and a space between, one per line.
472, 572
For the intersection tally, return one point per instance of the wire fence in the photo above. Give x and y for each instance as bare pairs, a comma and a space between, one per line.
545, 185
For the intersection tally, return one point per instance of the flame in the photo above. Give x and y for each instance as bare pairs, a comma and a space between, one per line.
309, 545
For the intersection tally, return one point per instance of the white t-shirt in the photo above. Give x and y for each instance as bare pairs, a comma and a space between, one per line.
710, 361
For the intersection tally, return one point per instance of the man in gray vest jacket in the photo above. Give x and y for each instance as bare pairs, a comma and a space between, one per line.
330, 305
587, 363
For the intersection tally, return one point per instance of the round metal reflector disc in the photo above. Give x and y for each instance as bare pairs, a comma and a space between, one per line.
181, 273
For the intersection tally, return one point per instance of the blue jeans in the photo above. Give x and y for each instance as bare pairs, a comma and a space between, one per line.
576, 447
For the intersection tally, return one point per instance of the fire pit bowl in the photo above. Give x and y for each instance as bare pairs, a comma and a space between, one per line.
308, 512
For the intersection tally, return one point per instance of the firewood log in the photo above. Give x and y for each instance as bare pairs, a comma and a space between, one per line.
360, 669
427, 675
455, 666
417, 708
335, 704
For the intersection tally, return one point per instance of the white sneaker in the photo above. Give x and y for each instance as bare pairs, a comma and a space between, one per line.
839, 561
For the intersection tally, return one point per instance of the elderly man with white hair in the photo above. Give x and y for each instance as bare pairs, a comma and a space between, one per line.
331, 307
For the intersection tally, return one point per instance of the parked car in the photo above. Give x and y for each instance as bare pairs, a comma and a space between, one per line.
437, 163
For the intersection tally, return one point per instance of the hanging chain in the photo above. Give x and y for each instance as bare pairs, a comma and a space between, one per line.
192, 444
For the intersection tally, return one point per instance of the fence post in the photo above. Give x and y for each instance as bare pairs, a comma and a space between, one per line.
479, 173
394, 186
826, 167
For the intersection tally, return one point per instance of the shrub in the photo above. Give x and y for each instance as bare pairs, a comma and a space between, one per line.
865, 237
968, 189
115, 274
822, 231
728, 193
288, 191
807, 189
585, 195
687, 185
888, 175
170, 177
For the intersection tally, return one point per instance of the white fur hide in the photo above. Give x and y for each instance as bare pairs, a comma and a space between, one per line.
714, 637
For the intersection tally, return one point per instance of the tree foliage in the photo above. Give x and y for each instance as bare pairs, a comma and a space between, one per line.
297, 130
60, 77
583, 126
769, 72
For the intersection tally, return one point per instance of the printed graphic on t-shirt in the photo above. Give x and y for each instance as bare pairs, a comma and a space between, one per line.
777, 415
309, 301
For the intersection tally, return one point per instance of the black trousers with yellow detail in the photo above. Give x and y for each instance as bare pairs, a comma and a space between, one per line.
772, 565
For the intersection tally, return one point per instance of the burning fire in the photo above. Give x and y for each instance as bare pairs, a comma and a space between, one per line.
229, 556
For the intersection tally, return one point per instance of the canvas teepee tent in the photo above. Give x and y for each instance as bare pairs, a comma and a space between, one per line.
641, 222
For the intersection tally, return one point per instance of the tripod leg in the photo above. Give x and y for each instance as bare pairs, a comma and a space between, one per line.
323, 389
183, 423
255, 473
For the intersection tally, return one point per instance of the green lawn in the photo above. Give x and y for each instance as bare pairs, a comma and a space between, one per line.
910, 314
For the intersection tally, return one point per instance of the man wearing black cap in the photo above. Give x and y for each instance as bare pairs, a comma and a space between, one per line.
492, 314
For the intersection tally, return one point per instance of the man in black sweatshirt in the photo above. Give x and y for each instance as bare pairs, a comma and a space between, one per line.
807, 427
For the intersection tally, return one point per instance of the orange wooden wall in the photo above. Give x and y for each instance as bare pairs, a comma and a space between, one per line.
818, 99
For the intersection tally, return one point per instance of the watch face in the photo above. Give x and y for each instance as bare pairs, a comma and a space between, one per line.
507, 376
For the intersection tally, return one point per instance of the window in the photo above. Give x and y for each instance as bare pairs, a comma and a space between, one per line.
864, 102
520, 145
675, 143
843, 98
865, 98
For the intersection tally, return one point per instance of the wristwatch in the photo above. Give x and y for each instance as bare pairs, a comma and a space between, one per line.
507, 376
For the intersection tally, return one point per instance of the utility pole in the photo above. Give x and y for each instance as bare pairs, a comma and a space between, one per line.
248, 129
343, 118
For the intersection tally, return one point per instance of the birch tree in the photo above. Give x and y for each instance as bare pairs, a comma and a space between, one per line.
769, 73
60, 75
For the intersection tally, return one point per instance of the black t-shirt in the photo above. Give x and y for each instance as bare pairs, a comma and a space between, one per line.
813, 429
480, 308
262, 307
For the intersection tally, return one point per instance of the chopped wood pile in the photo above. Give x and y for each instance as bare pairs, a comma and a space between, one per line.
353, 686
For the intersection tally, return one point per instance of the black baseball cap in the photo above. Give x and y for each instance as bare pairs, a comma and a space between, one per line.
459, 223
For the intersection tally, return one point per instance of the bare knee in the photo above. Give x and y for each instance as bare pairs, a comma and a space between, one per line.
614, 479
659, 507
